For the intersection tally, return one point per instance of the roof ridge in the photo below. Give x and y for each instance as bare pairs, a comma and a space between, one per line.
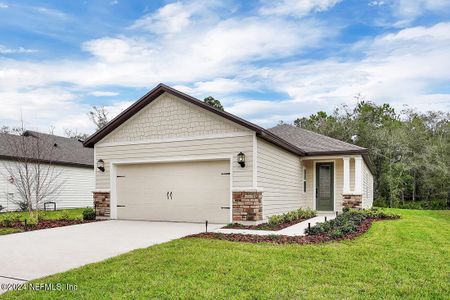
319, 134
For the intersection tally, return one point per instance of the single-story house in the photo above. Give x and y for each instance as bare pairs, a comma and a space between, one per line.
171, 157
72, 168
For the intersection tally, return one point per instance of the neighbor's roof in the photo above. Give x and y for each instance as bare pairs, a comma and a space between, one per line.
313, 143
293, 139
65, 151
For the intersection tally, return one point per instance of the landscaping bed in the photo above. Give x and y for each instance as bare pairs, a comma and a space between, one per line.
14, 222
278, 222
347, 225
19, 226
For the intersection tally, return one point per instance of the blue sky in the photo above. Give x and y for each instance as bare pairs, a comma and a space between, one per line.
265, 60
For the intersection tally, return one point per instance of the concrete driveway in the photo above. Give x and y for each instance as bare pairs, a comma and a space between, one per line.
30, 255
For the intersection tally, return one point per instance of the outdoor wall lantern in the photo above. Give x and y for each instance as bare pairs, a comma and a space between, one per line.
101, 165
241, 159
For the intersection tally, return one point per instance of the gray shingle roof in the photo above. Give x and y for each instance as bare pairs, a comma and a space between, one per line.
311, 142
66, 152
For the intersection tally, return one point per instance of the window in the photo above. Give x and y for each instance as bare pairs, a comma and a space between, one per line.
304, 180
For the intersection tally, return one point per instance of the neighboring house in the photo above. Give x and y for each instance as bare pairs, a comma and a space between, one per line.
172, 157
71, 161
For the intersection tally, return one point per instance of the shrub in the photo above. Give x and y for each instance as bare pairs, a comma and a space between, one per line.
294, 215
40, 214
33, 220
64, 215
9, 219
89, 214
348, 222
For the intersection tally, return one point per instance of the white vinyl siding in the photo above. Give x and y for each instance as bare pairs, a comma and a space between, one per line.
280, 177
76, 189
196, 149
367, 197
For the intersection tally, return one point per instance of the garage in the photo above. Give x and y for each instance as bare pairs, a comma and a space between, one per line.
193, 191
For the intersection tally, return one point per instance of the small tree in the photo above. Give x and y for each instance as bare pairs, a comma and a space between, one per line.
99, 116
31, 169
213, 102
75, 134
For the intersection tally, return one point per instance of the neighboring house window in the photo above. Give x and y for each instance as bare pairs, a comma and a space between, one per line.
304, 180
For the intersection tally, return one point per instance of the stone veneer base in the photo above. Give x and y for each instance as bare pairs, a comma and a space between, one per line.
247, 206
101, 204
352, 201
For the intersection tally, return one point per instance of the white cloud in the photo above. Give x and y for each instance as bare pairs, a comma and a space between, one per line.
376, 3
401, 69
3, 5
103, 94
170, 18
6, 50
297, 8
408, 10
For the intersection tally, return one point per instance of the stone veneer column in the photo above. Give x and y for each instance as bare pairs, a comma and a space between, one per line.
352, 201
247, 206
101, 204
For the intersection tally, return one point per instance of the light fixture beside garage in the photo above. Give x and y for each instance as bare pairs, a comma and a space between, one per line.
241, 159
101, 165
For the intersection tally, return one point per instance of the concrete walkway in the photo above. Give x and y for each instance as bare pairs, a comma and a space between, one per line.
294, 230
34, 254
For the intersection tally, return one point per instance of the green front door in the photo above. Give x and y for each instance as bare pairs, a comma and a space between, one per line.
324, 186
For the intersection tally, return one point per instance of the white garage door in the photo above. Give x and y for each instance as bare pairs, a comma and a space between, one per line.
182, 191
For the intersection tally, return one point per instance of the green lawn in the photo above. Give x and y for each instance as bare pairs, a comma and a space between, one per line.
406, 258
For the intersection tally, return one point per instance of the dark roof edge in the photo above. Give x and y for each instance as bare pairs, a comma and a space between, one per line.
162, 88
159, 90
54, 162
148, 98
274, 139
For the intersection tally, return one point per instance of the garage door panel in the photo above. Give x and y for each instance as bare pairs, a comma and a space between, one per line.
197, 191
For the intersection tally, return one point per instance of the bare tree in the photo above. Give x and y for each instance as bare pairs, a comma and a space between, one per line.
99, 116
75, 134
30, 167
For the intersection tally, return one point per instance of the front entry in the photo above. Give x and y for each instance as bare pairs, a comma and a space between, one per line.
324, 186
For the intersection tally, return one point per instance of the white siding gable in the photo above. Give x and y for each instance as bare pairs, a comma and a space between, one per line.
170, 117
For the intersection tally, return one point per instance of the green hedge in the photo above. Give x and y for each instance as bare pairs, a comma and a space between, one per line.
292, 216
348, 222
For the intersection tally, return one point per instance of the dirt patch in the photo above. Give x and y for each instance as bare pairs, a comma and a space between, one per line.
264, 226
45, 224
284, 239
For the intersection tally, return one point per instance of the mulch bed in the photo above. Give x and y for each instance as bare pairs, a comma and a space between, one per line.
263, 226
45, 224
284, 239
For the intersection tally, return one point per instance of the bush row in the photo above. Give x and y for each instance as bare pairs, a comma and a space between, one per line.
348, 222
11, 218
299, 214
